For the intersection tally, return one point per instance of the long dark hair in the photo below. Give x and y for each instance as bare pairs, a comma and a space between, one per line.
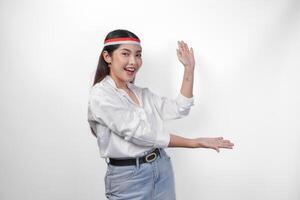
102, 68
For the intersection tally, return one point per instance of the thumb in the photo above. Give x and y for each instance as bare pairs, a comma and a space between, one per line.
217, 149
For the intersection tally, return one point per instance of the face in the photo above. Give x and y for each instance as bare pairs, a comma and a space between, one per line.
124, 62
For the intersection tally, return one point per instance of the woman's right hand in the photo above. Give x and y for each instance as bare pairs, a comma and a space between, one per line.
185, 55
212, 143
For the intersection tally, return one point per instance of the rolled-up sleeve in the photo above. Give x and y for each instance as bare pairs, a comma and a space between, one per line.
130, 124
172, 108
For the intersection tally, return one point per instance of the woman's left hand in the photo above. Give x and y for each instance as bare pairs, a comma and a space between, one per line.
185, 55
212, 143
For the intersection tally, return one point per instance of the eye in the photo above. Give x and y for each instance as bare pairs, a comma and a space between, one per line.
125, 54
139, 55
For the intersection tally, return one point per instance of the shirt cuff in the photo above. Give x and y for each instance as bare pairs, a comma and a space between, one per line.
184, 101
162, 140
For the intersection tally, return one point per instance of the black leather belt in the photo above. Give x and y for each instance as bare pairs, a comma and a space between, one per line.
145, 159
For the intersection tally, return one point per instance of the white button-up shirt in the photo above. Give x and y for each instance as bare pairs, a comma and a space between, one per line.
125, 129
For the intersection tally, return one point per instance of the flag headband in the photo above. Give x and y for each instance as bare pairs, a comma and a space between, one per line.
114, 41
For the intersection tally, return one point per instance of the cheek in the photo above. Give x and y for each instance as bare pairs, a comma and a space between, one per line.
140, 62
121, 64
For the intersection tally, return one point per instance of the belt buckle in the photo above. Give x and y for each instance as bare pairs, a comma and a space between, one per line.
150, 160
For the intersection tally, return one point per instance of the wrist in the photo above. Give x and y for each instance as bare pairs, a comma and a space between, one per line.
189, 68
193, 143
197, 143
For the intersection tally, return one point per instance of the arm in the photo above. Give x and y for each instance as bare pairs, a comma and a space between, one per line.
178, 141
179, 107
169, 109
187, 82
186, 57
212, 143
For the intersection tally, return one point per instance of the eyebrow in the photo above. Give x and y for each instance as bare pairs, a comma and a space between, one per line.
130, 51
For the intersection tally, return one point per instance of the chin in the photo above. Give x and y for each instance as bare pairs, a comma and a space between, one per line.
130, 79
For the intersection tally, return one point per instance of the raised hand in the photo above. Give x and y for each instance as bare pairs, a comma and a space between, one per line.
212, 143
185, 55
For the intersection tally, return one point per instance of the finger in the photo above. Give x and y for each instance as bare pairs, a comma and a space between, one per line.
230, 147
226, 146
215, 148
186, 47
182, 44
227, 142
179, 44
178, 53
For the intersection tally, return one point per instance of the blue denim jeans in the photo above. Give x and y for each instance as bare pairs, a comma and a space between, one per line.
147, 181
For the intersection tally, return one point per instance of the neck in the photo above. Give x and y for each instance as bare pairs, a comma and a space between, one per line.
119, 83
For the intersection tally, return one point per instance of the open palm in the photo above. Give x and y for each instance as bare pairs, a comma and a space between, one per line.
185, 55
213, 143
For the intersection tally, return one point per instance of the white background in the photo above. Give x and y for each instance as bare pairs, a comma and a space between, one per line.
246, 90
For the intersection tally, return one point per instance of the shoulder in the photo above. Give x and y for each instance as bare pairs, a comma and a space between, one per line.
102, 93
100, 88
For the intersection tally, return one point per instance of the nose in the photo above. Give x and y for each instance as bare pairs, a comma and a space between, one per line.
133, 60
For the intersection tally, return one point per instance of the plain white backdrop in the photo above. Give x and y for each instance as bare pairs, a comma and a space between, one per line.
246, 90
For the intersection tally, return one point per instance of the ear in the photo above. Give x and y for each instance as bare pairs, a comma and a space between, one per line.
106, 57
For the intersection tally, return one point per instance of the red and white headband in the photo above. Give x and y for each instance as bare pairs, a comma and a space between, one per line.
114, 41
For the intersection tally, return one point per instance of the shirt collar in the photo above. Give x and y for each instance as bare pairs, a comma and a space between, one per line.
111, 81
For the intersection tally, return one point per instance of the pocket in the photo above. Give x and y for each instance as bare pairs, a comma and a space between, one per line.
120, 173
165, 155
168, 157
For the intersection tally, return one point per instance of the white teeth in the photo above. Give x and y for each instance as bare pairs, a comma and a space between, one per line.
130, 69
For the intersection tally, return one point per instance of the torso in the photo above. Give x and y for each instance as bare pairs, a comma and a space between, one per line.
133, 97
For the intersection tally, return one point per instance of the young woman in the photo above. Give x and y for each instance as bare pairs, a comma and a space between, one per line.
128, 121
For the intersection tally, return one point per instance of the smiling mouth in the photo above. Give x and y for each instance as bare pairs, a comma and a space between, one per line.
130, 69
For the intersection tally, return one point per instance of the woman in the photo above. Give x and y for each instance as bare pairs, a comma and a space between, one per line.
128, 121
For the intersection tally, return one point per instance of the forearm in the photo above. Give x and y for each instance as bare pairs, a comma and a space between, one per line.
213, 143
187, 82
178, 141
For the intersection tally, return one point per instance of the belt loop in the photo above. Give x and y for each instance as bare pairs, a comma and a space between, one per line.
160, 150
107, 162
138, 163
